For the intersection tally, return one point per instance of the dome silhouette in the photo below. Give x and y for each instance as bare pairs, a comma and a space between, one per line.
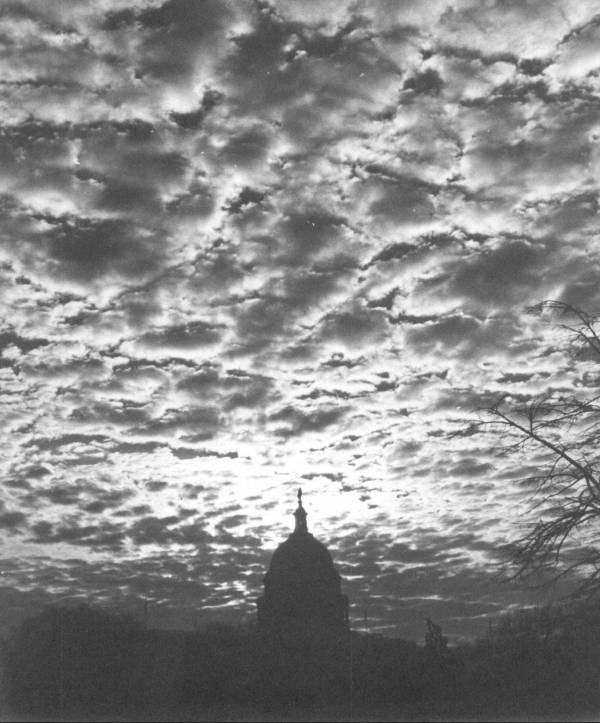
302, 589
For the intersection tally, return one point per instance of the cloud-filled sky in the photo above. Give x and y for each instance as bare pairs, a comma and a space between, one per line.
251, 246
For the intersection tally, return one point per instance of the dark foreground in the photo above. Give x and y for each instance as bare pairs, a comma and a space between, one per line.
82, 663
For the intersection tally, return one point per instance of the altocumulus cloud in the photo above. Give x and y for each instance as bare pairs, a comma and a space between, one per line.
248, 244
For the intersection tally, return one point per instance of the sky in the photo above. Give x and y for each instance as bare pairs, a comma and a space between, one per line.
247, 247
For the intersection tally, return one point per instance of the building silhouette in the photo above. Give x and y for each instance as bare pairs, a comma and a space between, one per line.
302, 589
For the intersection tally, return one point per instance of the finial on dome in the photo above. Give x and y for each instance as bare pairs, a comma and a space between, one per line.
300, 515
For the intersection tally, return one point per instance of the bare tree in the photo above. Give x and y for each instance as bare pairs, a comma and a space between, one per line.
561, 433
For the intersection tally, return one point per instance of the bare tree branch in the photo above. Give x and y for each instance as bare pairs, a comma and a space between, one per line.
566, 430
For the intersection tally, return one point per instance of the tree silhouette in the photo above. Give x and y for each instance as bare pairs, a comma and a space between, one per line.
82, 663
560, 432
434, 640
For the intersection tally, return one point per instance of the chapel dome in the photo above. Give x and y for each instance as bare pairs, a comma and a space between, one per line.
302, 587
299, 561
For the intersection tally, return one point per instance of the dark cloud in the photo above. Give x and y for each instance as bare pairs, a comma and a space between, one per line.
515, 377
339, 360
296, 421
11, 519
401, 200
10, 337
106, 535
200, 381
194, 119
237, 388
426, 82
121, 412
396, 251
255, 394
156, 485
583, 292
34, 472
196, 200
354, 326
333, 393
424, 245
502, 272
62, 494
163, 531
306, 232
258, 63
174, 34
203, 421
470, 467
260, 322
246, 197
136, 447
50, 443
183, 336
232, 521
17, 483
246, 148
191, 453
450, 331
332, 476
85, 249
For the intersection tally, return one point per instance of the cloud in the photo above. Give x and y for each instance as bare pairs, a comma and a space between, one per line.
203, 421
163, 531
85, 249
11, 519
45, 443
428, 81
194, 119
296, 421
182, 336
245, 245
470, 467
24, 344
503, 272
74, 534
176, 36
355, 326
191, 453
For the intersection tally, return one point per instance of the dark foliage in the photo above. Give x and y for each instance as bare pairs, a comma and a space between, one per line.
81, 662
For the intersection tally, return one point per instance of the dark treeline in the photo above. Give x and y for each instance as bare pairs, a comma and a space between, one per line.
82, 662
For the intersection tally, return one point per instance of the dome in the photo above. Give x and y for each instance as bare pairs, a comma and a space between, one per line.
302, 587
301, 561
